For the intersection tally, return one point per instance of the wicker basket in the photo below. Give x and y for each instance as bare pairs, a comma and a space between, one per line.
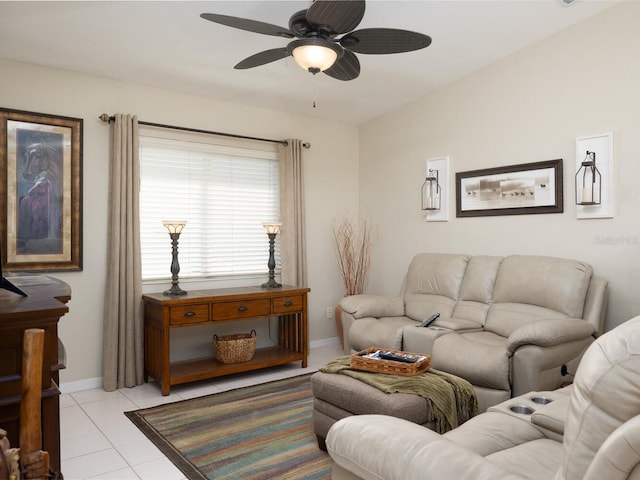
378, 365
236, 348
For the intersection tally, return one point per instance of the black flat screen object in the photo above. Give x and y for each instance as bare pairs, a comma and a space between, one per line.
6, 284
430, 320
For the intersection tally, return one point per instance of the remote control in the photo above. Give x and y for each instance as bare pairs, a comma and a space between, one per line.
430, 320
396, 357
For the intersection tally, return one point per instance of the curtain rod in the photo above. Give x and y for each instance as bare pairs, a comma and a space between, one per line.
106, 118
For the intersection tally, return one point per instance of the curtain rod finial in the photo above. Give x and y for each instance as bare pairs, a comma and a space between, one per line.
104, 117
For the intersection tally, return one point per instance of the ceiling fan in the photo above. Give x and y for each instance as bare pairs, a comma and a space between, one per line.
317, 48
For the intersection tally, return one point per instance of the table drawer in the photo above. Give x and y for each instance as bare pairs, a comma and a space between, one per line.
189, 314
241, 309
291, 304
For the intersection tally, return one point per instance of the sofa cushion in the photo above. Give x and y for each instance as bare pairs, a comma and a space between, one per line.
475, 312
432, 284
456, 324
479, 357
554, 283
419, 306
476, 292
484, 434
480, 279
436, 274
532, 460
505, 318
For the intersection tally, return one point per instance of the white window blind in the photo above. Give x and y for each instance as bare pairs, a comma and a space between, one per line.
223, 188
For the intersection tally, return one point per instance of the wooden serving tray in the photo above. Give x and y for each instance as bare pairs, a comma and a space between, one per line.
379, 365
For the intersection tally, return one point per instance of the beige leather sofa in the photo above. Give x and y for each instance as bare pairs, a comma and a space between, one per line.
507, 324
590, 431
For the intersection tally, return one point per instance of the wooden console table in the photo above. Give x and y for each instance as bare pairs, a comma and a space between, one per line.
163, 313
41, 309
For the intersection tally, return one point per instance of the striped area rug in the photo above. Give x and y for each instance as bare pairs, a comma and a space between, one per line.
254, 433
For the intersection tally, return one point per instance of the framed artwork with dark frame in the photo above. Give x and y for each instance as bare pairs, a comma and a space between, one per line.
41, 189
512, 190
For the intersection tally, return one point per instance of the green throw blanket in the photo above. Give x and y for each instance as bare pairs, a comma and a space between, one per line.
452, 399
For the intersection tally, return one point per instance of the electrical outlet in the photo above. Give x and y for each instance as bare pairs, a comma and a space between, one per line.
329, 313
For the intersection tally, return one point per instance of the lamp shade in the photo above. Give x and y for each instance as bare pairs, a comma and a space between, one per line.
174, 226
315, 54
272, 227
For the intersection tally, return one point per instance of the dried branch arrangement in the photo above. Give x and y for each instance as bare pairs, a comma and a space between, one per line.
353, 242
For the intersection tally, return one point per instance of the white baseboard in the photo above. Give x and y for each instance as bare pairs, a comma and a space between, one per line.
325, 342
90, 383
80, 385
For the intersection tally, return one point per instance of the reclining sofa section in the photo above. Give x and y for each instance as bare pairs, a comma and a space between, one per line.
507, 324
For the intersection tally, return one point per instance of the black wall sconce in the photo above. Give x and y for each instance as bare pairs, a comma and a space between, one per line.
588, 182
431, 191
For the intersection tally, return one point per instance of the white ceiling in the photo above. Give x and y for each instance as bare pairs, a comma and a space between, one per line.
167, 44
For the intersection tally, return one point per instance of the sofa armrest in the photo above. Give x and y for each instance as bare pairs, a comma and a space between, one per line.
360, 306
550, 332
552, 416
387, 448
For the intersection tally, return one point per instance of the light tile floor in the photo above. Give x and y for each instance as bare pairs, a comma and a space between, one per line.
99, 442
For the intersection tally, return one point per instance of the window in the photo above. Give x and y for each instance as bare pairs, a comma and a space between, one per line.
224, 188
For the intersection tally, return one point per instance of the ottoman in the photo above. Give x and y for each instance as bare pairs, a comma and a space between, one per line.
338, 396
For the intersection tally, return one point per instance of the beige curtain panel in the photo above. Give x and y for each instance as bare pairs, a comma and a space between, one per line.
293, 245
123, 348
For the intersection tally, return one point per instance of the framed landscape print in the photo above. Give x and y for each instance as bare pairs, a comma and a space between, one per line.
41, 190
512, 190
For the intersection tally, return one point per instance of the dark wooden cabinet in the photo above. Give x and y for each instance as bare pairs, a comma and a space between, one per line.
201, 307
43, 308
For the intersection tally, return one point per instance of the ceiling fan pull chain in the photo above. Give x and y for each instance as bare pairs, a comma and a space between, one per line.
314, 94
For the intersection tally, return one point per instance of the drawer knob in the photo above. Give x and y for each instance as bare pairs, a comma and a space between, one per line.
288, 303
189, 314
242, 309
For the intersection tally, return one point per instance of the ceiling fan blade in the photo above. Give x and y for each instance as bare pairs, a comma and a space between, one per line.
249, 25
347, 67
262, 58
340, 16
384, 40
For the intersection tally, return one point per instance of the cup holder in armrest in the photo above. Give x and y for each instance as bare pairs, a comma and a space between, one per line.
541, 400
522, 409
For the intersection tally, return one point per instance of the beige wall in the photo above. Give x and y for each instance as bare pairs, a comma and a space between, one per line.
334, 149
526, 108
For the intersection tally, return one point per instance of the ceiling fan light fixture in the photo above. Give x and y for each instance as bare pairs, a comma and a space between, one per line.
317, 48
315, 54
